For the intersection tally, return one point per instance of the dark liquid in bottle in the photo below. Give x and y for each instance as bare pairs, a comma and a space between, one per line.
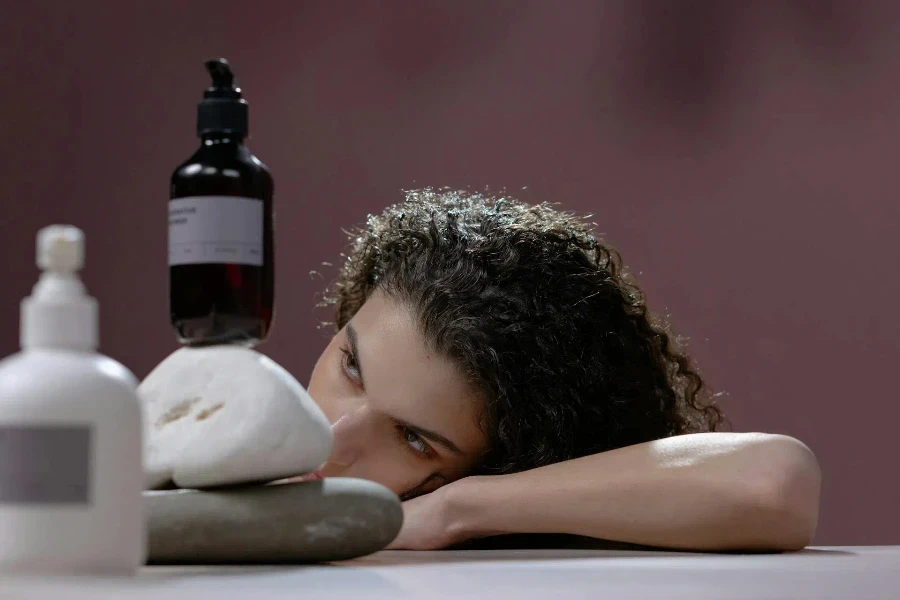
222, 302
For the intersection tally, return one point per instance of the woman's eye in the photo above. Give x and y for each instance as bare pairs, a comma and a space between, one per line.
415, 441
350, 364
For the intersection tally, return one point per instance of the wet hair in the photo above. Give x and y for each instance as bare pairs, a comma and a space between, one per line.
541, 318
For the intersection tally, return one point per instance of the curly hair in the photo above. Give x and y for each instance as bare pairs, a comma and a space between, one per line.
541, 318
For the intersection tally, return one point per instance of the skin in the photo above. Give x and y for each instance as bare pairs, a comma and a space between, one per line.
401, 415
396, 407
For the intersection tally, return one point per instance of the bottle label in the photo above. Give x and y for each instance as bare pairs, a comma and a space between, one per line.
45, 464
216, 229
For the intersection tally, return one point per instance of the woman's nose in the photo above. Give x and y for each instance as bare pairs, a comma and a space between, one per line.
349, 432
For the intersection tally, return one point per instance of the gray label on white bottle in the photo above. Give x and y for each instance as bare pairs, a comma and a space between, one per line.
45, 464
216, 229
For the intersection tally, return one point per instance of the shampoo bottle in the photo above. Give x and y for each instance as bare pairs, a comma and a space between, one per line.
70, 433
221, 259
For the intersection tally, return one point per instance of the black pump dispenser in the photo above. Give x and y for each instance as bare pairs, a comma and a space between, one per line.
223, 108
221, 227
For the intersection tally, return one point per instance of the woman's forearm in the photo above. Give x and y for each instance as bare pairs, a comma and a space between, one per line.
713, 491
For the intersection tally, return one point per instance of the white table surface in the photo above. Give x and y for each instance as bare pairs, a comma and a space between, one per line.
850, 572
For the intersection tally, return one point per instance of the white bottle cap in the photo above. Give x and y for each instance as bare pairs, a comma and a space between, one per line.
59, 313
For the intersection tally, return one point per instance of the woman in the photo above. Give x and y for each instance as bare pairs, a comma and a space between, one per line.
498, 369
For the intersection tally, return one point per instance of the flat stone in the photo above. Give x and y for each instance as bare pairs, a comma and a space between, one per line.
225, 415
315, 521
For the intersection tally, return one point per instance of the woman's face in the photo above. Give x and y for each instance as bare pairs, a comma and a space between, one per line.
401, 415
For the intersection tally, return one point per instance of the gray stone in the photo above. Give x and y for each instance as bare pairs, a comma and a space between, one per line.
314, 521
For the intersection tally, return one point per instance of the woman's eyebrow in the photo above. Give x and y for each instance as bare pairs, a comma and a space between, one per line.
354, 349
434, 436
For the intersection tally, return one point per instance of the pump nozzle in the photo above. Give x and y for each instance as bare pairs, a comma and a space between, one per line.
59, 313
220, 72
223, 108
60, 248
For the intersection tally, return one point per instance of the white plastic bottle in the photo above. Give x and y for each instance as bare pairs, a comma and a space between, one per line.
70, 433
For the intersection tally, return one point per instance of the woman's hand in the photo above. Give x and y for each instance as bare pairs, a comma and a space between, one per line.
439, 519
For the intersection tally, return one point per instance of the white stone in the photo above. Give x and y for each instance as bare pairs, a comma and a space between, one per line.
224, 415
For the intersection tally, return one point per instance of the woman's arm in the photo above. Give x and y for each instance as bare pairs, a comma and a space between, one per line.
708, 491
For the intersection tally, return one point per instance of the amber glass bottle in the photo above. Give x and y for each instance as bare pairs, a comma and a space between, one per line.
221, 255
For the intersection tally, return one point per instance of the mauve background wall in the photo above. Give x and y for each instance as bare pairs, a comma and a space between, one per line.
743, 156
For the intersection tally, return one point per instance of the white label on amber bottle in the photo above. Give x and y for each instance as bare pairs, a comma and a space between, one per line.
216, 229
